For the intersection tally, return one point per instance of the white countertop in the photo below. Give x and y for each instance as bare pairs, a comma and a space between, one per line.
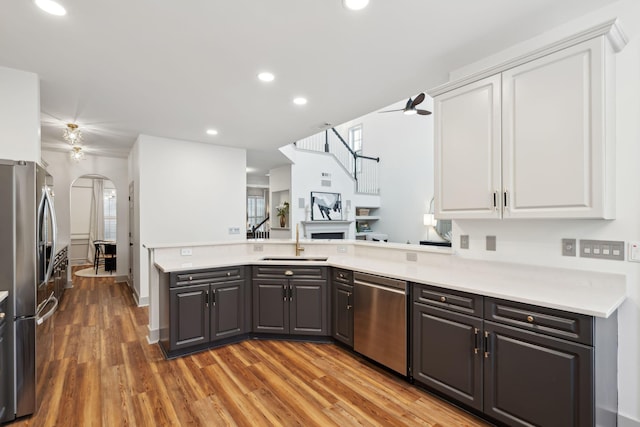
586, 292
3, 295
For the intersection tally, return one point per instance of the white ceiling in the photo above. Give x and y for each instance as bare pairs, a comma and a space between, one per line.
119, 68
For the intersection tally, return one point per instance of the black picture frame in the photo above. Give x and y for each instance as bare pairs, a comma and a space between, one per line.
326, 206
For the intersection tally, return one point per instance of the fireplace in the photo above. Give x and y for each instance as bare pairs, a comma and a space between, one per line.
326, 236
327, 229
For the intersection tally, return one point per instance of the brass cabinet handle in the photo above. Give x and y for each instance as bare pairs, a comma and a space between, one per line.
190, 277
288, 273
349, 306
3, 315
476, 341
443, 299
530, 319
340, 275
228, 273
486, 344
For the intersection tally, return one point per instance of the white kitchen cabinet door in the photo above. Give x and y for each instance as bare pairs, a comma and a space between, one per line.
467, 151
554, 154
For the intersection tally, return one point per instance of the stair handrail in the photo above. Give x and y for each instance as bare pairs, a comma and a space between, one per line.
353, 153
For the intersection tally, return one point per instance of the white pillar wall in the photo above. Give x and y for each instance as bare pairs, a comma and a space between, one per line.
20, 115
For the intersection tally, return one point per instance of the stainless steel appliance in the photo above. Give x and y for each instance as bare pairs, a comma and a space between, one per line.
380, 320
27, 247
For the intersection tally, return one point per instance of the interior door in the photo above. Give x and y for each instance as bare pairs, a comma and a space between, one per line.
131, 233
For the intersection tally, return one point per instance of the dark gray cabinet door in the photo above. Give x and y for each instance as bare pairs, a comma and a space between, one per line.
447, 353
532, 379
227, 309
4, 377
189, 323
271, 306
308, 307
343, 313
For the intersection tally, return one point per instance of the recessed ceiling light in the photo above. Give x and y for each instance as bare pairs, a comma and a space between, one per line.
266, 76
355, 4
300, 100
212, 132
51, 7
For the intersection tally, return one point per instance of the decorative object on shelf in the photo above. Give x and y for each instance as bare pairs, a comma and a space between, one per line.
363, 227
326, 206
72, 134
282, 212
363, 212
77, 154
410, 108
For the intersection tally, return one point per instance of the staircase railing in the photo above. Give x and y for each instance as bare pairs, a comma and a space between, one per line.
259, 231
364, 169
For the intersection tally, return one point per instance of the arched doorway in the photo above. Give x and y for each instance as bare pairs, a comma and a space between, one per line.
93, 200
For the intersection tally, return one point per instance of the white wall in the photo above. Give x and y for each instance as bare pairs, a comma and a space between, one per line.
66, 171
19, 115
405, 147
538, 241
306, 176
185, 192
280, 184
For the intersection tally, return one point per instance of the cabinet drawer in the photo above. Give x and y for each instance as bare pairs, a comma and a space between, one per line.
297, 272
206, 276
557, 323
461, 302
342, 276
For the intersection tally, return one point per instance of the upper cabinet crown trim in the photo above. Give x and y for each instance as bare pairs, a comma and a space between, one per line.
611, 29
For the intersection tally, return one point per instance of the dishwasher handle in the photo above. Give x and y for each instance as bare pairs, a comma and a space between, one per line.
384, 288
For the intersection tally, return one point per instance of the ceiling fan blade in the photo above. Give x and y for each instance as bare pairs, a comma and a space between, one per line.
423, 112
418, 100
409, 104
391, 111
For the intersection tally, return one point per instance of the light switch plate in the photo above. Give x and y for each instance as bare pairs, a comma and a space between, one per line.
342, 249
602, 249
412, 256
464, 241
258, 248
568, 247
634, 252
186, 251
491, 243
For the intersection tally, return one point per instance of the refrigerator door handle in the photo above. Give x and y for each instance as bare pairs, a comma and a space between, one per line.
47, 203
40, 319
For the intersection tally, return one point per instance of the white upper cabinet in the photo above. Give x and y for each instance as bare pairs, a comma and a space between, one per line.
467, 150
534, 141
554, 146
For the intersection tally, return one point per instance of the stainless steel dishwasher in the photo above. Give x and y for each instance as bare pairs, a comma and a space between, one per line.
380, 320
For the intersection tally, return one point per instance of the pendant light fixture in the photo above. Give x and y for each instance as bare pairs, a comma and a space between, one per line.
72, 134
76, 153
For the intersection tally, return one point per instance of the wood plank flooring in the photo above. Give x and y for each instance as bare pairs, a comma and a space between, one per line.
102, 372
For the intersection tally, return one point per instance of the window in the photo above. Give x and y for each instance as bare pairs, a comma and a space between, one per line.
109, 214
355, 142
256, 207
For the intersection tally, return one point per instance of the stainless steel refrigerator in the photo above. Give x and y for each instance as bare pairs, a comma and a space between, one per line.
27, 248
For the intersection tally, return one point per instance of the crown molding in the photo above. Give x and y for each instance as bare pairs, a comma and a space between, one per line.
611, 29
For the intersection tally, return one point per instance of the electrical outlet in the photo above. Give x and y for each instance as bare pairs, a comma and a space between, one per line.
568, 247
258, 248
186, 251
342, 249
491, 243
234, 230
602, 249
412, 256
464, 241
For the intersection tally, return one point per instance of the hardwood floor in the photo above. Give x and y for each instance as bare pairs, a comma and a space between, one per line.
102, 372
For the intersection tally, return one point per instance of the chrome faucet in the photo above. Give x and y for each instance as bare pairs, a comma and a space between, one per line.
298, 247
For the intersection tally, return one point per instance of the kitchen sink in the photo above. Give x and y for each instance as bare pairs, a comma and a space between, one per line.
297, 258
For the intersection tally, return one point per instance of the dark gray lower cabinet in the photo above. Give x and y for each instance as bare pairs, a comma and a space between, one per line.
519, 364
532, 379
4, 348
202, 307
290, 300
342, 305
189, 316
446, 353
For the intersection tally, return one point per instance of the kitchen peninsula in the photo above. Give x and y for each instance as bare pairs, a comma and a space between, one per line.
551, 331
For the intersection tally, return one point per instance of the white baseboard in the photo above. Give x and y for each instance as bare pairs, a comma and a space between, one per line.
154, 336
627, 422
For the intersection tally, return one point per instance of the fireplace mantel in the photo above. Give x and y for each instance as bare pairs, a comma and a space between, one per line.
311, 227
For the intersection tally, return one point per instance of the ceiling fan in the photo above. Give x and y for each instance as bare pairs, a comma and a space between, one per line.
410, 108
